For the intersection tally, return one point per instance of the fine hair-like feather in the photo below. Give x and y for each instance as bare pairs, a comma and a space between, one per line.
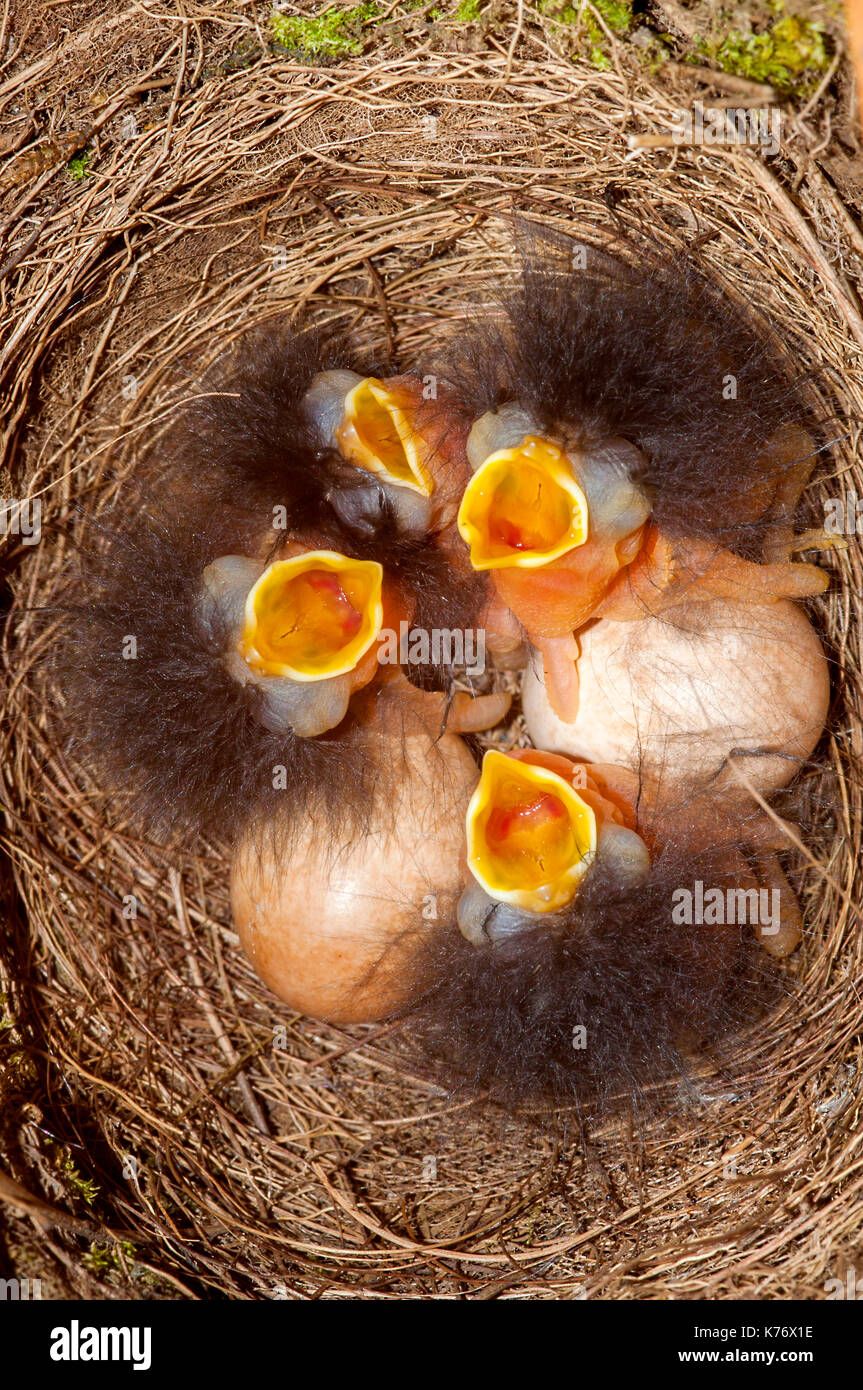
146, 700
651, 352
601, 1009
241, 438
168, 728
243, 444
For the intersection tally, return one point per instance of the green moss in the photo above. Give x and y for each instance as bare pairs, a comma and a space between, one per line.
560, 13
85, 1187
101, 1259
615, 14
331, 33
787, 50
107, 1261
79, 165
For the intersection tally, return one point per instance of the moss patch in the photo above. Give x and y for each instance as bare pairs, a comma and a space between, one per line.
791, 48
617, 14
789, 52
104, 1259
334, 34
467, 11
79, 165
86, 1188
589, 37
331, 34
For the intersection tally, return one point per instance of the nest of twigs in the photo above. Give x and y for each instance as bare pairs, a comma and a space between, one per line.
171, 1130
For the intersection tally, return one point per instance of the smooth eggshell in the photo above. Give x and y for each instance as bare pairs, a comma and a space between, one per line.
329, 925
673, 696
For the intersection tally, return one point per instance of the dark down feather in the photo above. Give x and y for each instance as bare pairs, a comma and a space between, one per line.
242, 440
168, 730
244, 446
641, 352
647, 992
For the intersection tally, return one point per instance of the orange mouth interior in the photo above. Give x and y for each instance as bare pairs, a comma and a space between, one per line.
530, 836
376, 434
313, 616
523, 508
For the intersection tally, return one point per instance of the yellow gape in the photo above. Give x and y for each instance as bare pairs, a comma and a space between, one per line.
523, 508
530, 837
375, 435
313, 616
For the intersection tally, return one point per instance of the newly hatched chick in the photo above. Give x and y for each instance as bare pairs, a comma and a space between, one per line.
166, 687
329, 920
285, 432
573, 979
210, 688
519, 921
714, 704
601, 403
333, 926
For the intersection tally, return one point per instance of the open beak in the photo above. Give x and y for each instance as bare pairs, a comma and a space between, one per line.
376, 434
530, 837
523, 508
313, 616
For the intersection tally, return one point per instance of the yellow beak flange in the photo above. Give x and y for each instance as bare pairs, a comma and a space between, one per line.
530, 836
375, 434
523, 508
312, 616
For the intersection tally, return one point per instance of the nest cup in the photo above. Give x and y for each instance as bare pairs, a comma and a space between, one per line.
192, 1137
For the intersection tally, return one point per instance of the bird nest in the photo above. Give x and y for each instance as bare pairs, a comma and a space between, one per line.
169, 1127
